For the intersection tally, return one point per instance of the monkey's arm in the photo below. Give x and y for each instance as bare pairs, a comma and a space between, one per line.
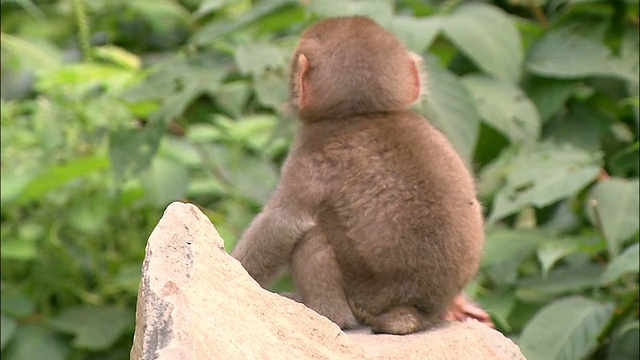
269, 241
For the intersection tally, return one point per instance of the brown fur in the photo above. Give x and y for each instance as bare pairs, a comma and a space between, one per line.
375, 211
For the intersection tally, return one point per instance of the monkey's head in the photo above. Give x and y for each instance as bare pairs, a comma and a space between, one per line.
352, 66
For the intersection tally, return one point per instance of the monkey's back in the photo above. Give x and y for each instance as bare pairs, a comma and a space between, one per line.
401, 211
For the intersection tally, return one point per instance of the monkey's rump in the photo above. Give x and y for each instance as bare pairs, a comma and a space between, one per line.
400, 222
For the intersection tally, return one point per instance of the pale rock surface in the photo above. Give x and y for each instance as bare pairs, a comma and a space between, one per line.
197, 302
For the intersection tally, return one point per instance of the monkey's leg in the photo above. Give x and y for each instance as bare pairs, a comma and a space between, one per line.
319, 280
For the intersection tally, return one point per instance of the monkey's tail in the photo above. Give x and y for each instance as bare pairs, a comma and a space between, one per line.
400, 320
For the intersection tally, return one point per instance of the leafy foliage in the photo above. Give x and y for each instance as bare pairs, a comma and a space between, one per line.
113, 109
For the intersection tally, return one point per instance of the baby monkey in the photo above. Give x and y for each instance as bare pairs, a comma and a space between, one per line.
375, 213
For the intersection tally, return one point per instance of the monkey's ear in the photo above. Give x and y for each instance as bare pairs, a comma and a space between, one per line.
417, 78
300, 82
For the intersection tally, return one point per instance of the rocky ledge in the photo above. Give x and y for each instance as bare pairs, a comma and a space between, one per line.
197, 302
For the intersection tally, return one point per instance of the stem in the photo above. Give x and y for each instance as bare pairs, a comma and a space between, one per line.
620, 313
538, 13
83, 29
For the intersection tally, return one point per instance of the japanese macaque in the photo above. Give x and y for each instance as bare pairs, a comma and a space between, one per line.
375, 213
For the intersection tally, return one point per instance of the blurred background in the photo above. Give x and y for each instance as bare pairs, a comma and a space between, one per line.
112, 109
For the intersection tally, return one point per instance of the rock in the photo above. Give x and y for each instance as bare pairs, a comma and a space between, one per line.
196, 302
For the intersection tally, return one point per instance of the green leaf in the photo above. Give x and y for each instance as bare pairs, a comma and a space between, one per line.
252, 131
624, 344
211, 32
7, 330
131, 149
415, 34
505, 107
504, 250
379, 10
17, 249
488, 37
83, 78
40, 56
34, 342
549, 95
552, 251
58, 175
233, 97
179, 81
542, 176
500, 305
117, 56
165, 181
450, 108
565, 329
91, 217
257, 58
583, 128
272, 90
209, 6
202, 133
181, 151
16, 305
616, 205
492, 176
560, 281
562, 53
253, 178
627, 262
94, 328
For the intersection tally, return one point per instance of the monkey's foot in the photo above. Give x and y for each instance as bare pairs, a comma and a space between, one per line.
462, 308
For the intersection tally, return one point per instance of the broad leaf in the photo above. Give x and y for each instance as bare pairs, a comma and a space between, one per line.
560, 281
627, 262
7, 329
488, 37
257, 58
252, 178
543, 176
211, 32
624, 344
58, 175
12, 185
179, 81
131, 149
504, 250
379, 10
566, 329
499, 304
562, 53
36, 342
552, 251
95, 328
549, 95
17, 305
232, 97
272, 90
416, 34
38, 55
450, 108
505, 107
582, 127
165, 181
615, 203
81, 79
18, 249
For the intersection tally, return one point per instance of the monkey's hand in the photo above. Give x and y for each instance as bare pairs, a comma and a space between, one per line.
462, 308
